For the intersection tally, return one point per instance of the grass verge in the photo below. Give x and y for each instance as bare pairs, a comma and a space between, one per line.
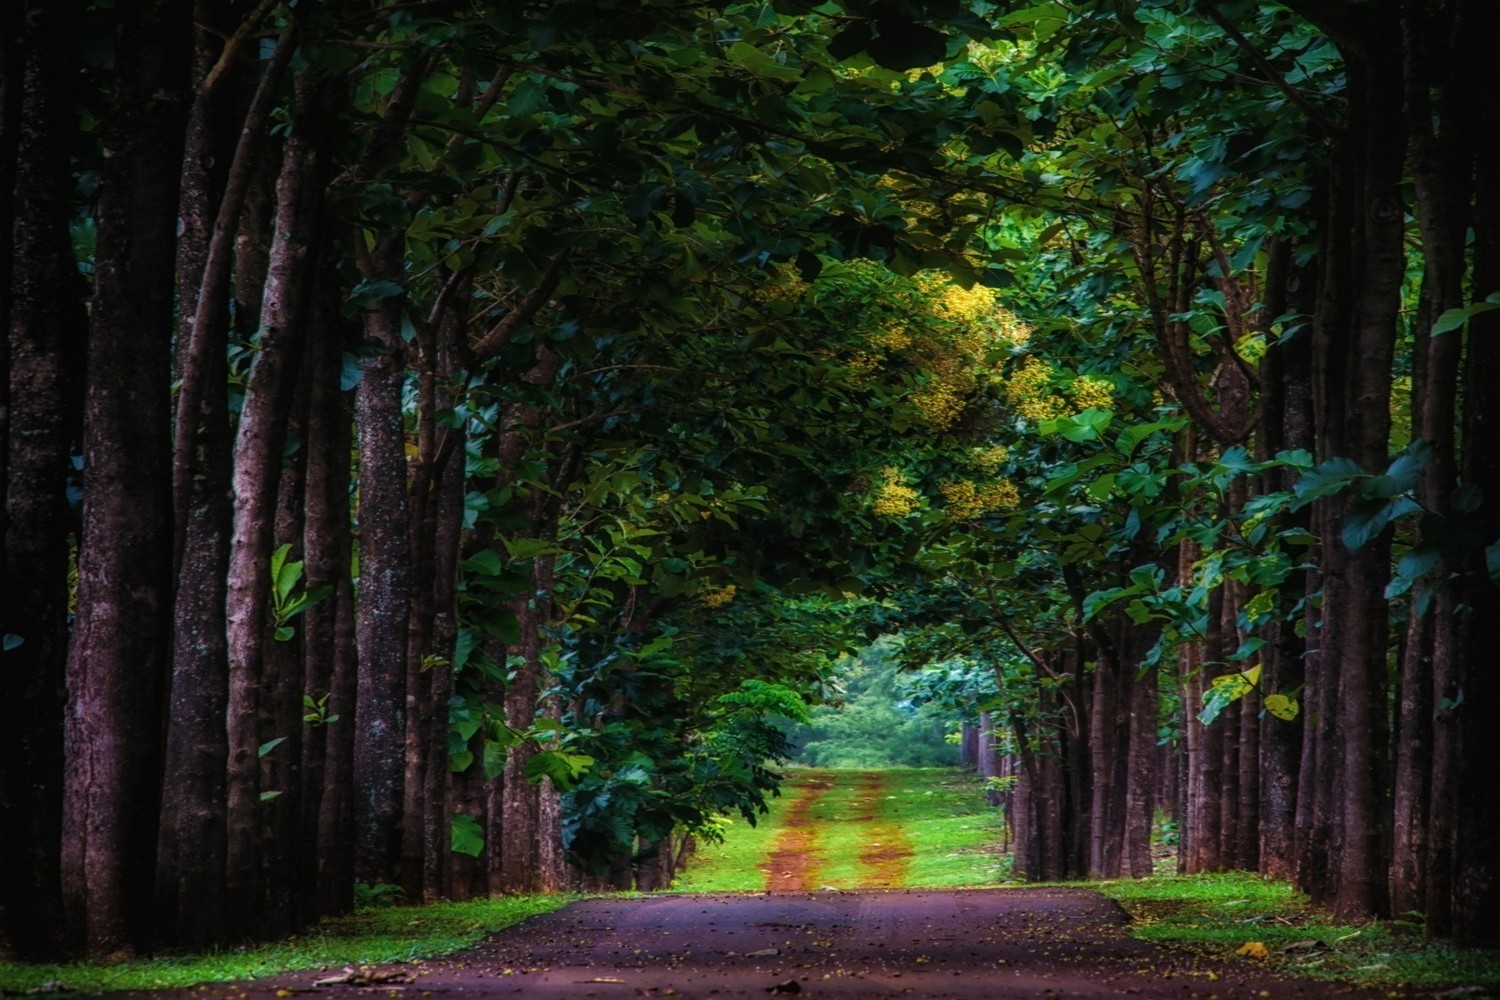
386, 934
1221, 914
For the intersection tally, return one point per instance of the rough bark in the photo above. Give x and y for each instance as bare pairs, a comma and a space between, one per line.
1355, 611
192, 845
205, 260
118, 658
1476, 825
327, 752
259, 444
1140, 799
385, 574
42, 352
385, 588
1286, 425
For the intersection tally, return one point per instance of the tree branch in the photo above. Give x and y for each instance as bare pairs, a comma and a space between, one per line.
528, 307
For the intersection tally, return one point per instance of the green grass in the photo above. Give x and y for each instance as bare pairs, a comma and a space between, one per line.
954, 835
942, 812
839, 841
734, 865
1220, 913
389, 934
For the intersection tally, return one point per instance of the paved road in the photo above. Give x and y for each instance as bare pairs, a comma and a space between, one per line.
958, 945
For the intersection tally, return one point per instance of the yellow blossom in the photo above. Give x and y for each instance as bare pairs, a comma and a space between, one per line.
1092, 392
719, 597
991, 458
965, 500
1026, 392
894, 499
892, 337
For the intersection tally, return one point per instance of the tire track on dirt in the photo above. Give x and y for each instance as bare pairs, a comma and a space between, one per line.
887, 853
795, 861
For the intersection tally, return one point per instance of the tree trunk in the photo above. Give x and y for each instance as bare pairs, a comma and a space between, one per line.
328, 640
118, 658
259, 446
1140, 803
1286, 425
42, 352
1355, 611
385, 587
1102, 754
1476, 820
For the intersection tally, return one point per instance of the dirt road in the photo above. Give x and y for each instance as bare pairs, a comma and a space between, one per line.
994, 944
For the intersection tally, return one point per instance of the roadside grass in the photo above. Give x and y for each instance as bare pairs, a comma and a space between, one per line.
368, 937
1219, 914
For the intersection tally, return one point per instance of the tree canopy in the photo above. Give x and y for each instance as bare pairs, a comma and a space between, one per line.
470, 432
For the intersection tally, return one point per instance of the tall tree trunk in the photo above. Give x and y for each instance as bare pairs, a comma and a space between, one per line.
258, 449
328, 641
1476, 824
1286, 425
1140, 800
1355, 611
1102, 755
283, 670
447, 535
44, 333
192, 851
384, 513
1445, 109
118, 658
385, 587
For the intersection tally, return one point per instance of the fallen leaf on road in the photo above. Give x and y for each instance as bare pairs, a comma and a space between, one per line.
790, 986
1253, 949
352, 976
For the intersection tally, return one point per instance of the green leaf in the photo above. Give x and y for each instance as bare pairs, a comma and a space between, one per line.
1282, 707
467, 836
563, 768
530, 548
1247, 649
1225, 690
494, 759
268, 796
1367, 522
1454, 319
1401, 476
12, 641
1330, 477
761, 63
269, 745
284, 575
1412, 567
284, 633
485, 562
371, 292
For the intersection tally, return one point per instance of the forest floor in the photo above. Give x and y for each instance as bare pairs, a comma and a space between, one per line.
828, 907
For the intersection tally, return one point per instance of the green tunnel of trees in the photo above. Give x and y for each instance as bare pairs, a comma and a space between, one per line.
440, 438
